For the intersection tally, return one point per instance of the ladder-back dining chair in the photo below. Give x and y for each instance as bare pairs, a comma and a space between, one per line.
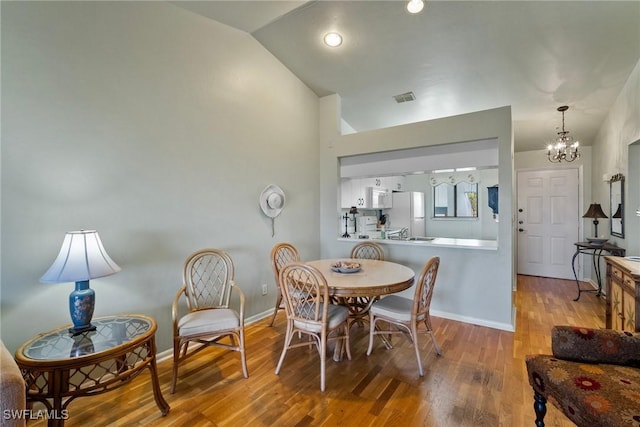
281, 255
310, 312
208, 280
407, 314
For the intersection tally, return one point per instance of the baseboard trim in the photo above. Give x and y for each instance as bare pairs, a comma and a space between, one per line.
474, 321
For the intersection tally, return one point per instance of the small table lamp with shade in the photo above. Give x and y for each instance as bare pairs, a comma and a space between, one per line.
595, 212
353, 211
82, 258
618, 213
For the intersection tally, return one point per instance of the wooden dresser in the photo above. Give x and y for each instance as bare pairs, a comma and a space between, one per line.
623, 294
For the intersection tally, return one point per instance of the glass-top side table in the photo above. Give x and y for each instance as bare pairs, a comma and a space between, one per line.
110, 332
59, 367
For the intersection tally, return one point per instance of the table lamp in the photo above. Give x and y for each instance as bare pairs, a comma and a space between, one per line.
618, 213
595, 212
353, 211
82, 258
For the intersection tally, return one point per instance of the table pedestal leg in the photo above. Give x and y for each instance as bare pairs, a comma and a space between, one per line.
337, 351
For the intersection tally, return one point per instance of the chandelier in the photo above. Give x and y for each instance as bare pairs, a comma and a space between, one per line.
564, 148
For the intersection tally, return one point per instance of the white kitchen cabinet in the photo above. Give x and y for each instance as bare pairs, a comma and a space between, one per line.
393, 183
353, 192
358, 192
376, 182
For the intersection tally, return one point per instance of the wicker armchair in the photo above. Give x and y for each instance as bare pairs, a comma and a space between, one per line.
407, 314
593, 377
367, 250
309, 312
359, 306
281, 255
208, 280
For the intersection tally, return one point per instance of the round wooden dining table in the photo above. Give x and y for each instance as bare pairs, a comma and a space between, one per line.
359, 289
375, 278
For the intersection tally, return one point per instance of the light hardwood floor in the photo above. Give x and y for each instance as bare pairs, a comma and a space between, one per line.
480, 380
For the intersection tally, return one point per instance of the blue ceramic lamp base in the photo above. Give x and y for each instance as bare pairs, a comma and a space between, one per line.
81, 303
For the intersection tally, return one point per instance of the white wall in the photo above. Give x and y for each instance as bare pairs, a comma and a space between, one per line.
537, 160
484, 227
611, 148
632, 201
157, 127
614, 150
473, 285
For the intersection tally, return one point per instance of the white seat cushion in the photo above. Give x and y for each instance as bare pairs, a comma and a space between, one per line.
336, 313
394, 307
203, 321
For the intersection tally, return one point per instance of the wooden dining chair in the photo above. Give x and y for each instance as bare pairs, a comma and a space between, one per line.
359, 306
208, 280
306, 299
406, 314
281, 255
367, 250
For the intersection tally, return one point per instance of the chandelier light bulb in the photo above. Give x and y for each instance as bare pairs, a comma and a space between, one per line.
415, 6
333, 39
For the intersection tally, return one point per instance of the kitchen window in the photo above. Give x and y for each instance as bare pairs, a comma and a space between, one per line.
455, 200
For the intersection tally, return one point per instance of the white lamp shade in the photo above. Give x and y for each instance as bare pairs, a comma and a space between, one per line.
81, 257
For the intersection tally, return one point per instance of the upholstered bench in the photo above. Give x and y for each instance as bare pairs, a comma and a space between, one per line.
593, 377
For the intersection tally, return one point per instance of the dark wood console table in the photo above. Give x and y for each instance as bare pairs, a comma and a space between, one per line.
595, 251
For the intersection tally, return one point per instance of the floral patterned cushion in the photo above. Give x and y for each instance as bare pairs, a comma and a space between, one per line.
596, 345
593, 376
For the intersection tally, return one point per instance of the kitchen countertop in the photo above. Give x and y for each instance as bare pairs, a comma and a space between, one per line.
441, 242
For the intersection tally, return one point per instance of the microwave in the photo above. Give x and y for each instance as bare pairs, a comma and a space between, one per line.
377, 198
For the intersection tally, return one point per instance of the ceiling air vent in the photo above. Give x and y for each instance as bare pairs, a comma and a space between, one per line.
405, 97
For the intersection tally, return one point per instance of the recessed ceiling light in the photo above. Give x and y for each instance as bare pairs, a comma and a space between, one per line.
415, 6
333, 39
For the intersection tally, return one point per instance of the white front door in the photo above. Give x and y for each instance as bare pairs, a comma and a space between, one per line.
548, 222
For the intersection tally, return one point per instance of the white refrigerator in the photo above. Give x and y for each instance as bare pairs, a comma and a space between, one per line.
407, 210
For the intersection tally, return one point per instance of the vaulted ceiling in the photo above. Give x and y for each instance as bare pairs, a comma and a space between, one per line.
455, 56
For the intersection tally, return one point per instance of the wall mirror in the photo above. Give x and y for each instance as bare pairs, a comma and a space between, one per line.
616, 194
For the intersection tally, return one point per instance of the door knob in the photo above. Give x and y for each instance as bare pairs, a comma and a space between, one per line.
520, 210
521, 229
520, 222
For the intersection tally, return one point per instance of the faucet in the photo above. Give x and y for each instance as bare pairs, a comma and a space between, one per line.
403, 233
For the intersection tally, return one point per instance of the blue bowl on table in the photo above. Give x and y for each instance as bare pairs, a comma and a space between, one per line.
345, 268
596, 242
